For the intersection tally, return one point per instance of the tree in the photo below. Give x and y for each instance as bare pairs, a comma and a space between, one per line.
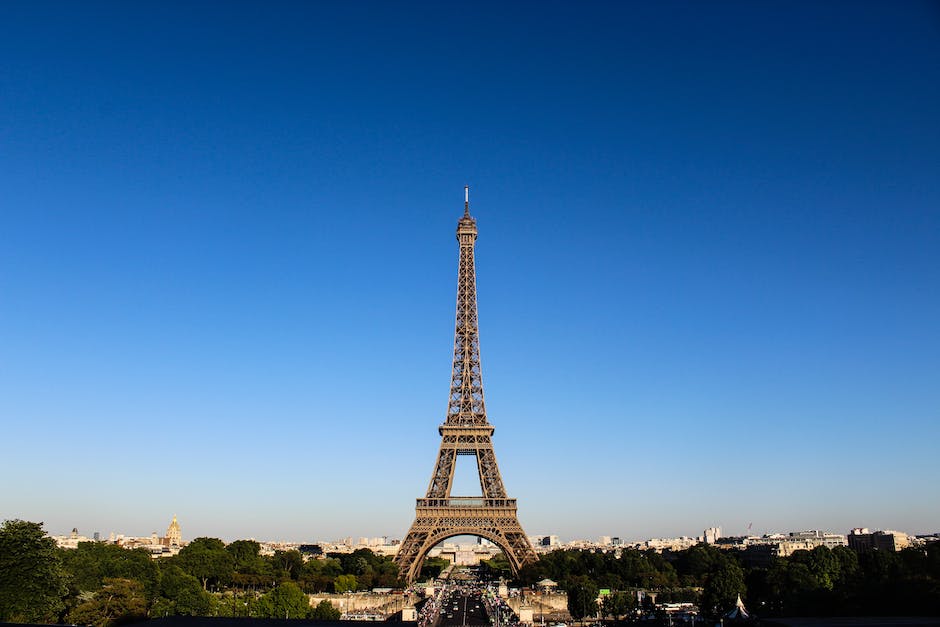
246, 556
722, 587
93, 562
288, 564
250, 568
582, 597
933, 560
697, 562
287, 600
325, 611
118, 602
207, 560
386, 574
825, 566
494, 568
33, 584
318, 574
183, 594
678, 595
618, 604
433, 566
345, 583
357, 562
848, 562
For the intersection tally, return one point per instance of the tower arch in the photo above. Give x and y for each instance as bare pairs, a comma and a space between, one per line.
434, 540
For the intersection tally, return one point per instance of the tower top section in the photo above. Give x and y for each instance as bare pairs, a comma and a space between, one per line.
466, 226
466, 407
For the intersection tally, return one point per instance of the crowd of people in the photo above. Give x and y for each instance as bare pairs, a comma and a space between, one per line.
500, 613
431, 610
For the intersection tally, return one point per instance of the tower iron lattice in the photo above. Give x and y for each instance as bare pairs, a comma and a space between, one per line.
465, 431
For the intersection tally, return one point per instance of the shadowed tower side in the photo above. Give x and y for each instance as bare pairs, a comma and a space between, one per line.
465, 431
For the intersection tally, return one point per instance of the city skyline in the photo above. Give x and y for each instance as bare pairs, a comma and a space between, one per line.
707, 266
391, 540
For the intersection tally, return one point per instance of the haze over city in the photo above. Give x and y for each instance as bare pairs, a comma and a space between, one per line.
708, 263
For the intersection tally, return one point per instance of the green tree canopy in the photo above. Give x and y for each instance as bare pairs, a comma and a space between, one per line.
288, 564
93, 562
345, 583
318, 574
696, 563
287, 600
119, 601
207, 560
325, 611
433, 566
722, 587
33, 583
183, 594
246, 556
250, 568
495, 568
582, 597
618, 604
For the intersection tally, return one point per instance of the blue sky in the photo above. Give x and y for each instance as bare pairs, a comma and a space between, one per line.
708, 262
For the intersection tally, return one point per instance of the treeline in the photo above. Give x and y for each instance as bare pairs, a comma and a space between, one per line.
241, 565
103, 584
821, 582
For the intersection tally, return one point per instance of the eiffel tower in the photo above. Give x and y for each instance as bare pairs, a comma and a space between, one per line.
466, 431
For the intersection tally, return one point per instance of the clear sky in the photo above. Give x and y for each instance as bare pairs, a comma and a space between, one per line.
708, 264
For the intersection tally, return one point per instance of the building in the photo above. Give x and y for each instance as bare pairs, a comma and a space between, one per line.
70, 541
820, 538
173, 536
787, 543
860, 540
669, 544
465, 554
545, 543
156, 545
711, 535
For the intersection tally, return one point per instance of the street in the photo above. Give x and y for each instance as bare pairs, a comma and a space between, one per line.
463, 606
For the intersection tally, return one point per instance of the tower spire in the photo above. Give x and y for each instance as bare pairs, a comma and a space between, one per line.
466, 386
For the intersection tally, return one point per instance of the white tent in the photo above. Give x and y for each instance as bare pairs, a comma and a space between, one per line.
738, 612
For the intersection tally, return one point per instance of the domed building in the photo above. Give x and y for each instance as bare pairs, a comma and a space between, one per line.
174, 539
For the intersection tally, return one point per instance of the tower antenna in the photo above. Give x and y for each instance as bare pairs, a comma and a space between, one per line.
466, 200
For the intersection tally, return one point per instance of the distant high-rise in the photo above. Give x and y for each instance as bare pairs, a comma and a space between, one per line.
711, 535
